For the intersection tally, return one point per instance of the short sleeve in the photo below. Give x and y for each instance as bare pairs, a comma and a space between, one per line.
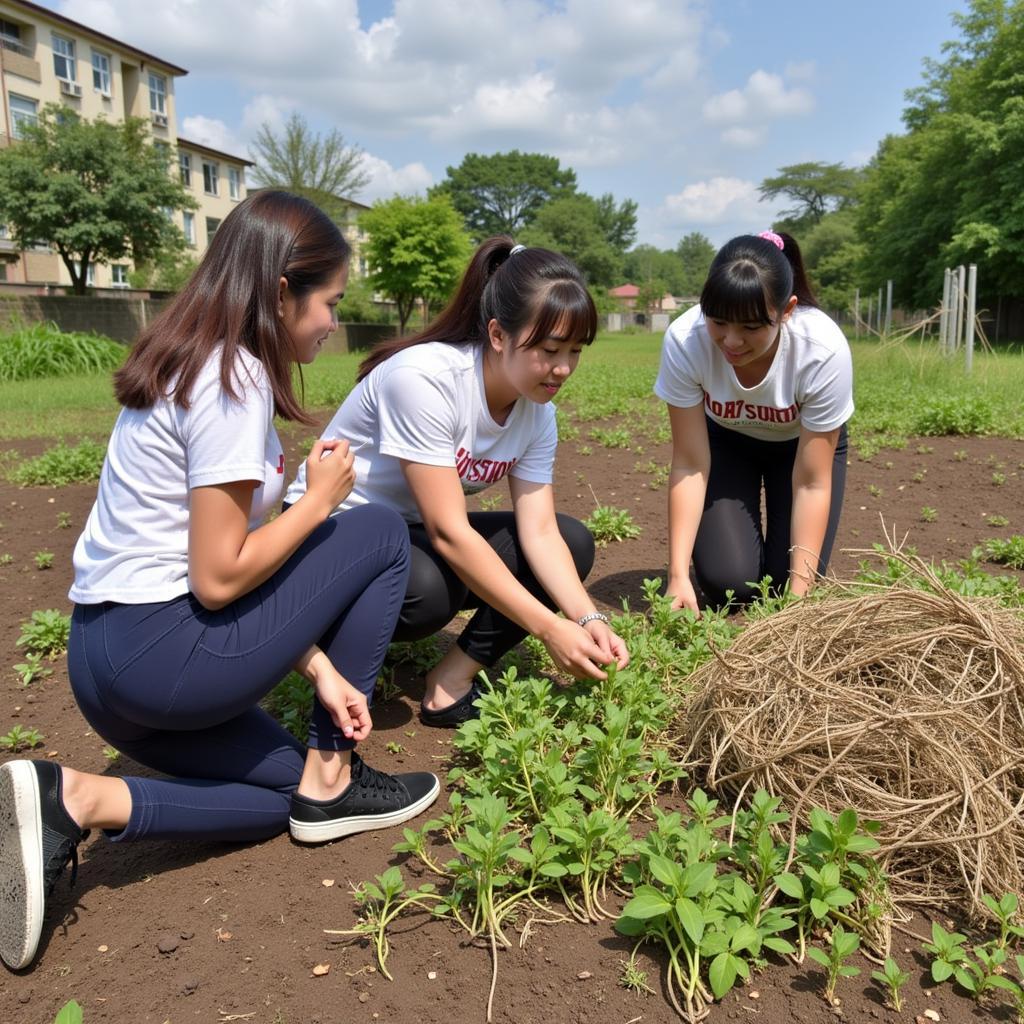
678, 381
225, 437
827, 401
418, 416
536, 465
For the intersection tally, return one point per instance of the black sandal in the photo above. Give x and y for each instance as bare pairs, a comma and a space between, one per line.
455, 714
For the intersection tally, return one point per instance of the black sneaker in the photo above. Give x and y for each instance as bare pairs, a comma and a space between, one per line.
455, 714
373, 800
37, 839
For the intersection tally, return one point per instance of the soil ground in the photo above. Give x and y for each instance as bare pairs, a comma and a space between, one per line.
247, 922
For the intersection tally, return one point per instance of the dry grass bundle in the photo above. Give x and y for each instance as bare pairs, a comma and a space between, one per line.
903, 702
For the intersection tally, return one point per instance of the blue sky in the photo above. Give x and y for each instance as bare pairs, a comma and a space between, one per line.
682, 105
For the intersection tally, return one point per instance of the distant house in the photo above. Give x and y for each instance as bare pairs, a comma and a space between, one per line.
625, 294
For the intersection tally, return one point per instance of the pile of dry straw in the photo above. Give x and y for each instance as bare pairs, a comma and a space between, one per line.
901, 702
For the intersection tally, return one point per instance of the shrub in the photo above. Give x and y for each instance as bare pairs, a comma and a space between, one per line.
43, 350
962, 414
62, 465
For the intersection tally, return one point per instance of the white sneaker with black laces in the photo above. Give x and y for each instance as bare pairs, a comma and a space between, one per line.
37, 839
372, 800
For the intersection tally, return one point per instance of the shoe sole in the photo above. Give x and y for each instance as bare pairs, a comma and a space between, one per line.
321, 832
21, 864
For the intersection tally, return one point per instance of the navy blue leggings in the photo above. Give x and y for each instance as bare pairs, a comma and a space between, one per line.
176, 687
731, 551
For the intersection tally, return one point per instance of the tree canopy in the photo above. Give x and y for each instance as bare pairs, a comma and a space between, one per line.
95, 190
417, 249
815, 188
501, 193
696, 253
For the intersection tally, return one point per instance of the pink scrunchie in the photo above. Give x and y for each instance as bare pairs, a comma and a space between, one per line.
773, 238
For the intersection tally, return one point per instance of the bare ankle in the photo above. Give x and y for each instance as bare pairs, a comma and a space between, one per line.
326, 773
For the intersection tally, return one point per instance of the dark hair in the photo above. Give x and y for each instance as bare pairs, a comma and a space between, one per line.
232, 299
534, 284
751, 279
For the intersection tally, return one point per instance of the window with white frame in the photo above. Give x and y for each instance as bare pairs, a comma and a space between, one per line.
212, 223
185, 169
234, 182
188, 226
101, 72
157, 94
90, 275
210, 173
23, 111
119, 275
64, 58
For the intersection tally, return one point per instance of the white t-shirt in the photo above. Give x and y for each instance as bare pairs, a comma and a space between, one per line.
426, 404
809, 384
134, 548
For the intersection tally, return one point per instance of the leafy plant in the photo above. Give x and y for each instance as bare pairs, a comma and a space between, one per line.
611, 524
62, 465
31, 669
69, 1013
20, 738
997, 520
46, 633
893, 979
612, 437
842, 945
1004, 910
63, 520
490, 503
43, 559
112, 754
44, 350
954, 414
948, 952
633, 977
1006, 552
998, 479
929, 514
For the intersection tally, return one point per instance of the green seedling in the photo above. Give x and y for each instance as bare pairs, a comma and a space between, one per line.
925, 449
1004, 911
615, 437
112, 754
960, 455
874, 490
842, 945
633, 977
997, 520
69, 1013
394, 747
43, 559
947, 950
31, 669
998, 479
929, 514
919, 476
6, 558
46, 633
63, 520
609, 524
892, 979
1005, 552
657, 473
984, 972
490, 503
585, 449
20, 738
62, 465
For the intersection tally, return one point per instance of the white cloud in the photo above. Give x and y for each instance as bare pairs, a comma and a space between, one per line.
211, 131
764, 96
386, 181
714, 201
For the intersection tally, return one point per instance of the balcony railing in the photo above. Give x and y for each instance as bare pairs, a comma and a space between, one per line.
15, 45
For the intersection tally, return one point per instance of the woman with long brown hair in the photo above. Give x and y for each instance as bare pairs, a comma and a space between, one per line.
188, 610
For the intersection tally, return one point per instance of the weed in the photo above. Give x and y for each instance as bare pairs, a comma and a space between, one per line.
997, 520
960, 455
31, 669
960, 414
291, 702
893, 979
490, 503
62, 465
657, 472
46, 633
43, 350
69, 1013
20, 738
888, 464
919, 476
43, 559
612, 437
998, 479
611, 524
394, 747
929, 514
874, 490
63, 520
947, 949
585, 449
842, 945
6, 558
112, 754
925, 449
633, 978
1008, 552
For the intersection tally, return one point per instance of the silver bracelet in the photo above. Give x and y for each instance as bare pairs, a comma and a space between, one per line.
592, 617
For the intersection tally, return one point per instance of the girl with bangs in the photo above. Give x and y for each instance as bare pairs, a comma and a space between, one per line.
758, 382
452, 411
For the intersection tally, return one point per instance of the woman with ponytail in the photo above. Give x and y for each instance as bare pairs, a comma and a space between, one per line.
452, 410
758, 382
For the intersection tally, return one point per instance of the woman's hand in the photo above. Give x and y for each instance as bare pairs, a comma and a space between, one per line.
613, 648
345, 704
330, 472
683, 595
574, 650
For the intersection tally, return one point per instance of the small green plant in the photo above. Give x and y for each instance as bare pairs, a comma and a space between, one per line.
394, 747
633, 977
43, 559
954, 414
960, 455
62, 465
585, 449
842, 945
1005, 552
998, 479
69, 1013
20, 738
929, 514
613, 437
611, 524
31, 669
892, 979
6, 558
112, 754
31, 351
46, 633
997, 520
1004, 910
947, 950
657, 473
925, 449
63, 520
919, 476
491, 502
874, 490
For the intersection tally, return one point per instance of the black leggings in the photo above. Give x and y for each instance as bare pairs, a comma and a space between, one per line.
730, 551
436, 593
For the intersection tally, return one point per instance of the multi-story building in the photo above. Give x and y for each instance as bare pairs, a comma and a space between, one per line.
47, 58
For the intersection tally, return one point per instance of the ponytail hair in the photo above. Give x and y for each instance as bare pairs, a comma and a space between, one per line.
514, 285
232, 301
752, 278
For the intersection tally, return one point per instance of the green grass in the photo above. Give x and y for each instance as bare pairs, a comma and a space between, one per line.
33, 351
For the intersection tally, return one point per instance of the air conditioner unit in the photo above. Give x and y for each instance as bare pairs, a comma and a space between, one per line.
160, 120
71, 89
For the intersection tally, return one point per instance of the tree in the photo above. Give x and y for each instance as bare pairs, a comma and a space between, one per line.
94, 190
324, 170
815, 187
574, 226
501, 194
696, 252
649, 263
417, 249
617, 221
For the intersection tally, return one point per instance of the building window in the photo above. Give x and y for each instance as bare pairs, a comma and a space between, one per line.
157, 94
188, 224
10, 38
234, 183
64, 58
119, 275
185, 169
101, 72
90, 275
23, 111
209, 177
212, 223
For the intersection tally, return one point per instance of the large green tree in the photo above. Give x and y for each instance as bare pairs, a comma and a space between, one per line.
696, 253
417, 250
324, 169
94, 190
646, 263
501, 193
814, 188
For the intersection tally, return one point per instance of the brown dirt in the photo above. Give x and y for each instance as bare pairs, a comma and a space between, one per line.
249, 920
